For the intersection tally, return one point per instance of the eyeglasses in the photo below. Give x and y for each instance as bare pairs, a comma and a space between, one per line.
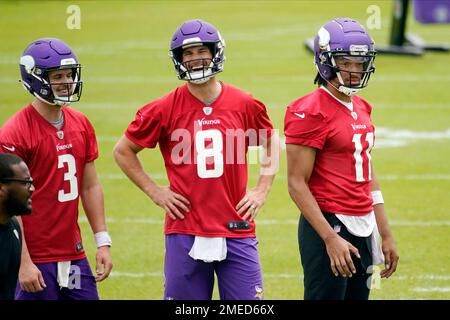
25, 182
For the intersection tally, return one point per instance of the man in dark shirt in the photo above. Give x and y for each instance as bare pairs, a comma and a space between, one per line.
16, 187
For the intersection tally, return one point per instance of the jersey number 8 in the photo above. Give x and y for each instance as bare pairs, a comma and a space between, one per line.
216, 151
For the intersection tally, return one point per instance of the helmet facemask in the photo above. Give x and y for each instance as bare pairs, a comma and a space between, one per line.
195, 33
40, 60
351, 81
198, 71
197, 74
72, 89
344, 55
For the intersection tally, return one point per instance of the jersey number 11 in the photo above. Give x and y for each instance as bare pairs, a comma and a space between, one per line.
359, 163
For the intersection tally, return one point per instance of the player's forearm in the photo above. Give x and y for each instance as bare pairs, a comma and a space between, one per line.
269, 164
380, 213
305, 201
128, 161
93, 204
270, 160
382, 221
265, 183
25, 255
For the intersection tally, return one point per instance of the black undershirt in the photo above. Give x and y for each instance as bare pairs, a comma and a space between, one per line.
10, 252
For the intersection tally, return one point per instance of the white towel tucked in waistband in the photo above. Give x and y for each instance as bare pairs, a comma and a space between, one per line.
63, 273
377, 253
209, 249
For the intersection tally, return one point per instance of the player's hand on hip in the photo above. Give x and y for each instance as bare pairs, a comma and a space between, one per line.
171, 202
30, 278
251, 203
390, 257
103, 263
339, 250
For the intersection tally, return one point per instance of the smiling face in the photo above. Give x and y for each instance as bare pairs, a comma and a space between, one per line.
62, 82
197, 58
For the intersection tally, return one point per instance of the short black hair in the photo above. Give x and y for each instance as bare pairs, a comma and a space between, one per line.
319, 80
7, 160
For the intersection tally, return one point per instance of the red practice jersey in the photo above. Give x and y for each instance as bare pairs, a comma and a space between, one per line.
340, 181
204, 150
56, 159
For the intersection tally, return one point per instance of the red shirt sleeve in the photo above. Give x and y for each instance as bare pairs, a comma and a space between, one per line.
260, 122
12, 139
303, 128
147, 127
91, 145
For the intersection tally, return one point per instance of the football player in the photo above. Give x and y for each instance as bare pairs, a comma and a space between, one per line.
203, 129
16, 188
59, 146
329, 138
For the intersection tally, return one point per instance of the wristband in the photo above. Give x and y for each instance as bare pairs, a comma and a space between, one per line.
102, 238
377, 197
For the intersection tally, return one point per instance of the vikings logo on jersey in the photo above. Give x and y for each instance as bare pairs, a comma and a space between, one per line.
207, 110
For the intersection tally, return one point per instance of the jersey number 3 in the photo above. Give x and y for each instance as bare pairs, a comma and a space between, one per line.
359, 163
68, 176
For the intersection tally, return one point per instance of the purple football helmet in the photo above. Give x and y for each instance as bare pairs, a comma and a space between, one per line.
43, 56
196, 33
346, 39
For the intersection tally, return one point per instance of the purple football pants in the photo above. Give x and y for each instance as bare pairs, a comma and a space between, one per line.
82, 285
239, 275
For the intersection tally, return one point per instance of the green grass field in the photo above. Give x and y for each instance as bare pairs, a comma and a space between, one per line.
123, 47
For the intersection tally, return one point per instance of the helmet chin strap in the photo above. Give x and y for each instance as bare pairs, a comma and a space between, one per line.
54, 102
343, 89
201, 80
59, 101
43, 100
62, 103
348, 91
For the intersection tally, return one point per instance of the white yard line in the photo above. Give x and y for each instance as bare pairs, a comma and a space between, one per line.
423, 277
431, 289
299, 277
